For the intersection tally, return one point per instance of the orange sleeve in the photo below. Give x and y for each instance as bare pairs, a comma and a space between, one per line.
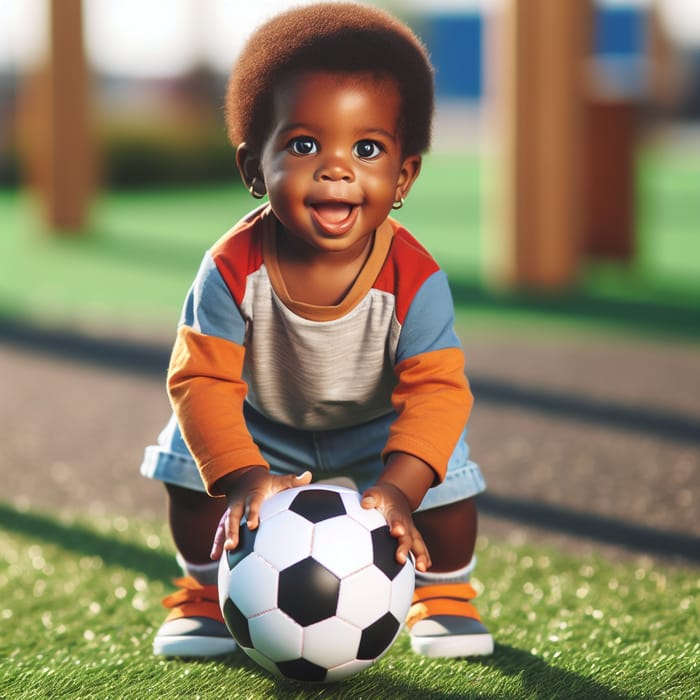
433, 402
207, 391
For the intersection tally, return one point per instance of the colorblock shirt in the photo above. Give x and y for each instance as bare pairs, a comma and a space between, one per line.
389, 345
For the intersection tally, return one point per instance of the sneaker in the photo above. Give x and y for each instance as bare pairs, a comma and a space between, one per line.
194, 626
443, 622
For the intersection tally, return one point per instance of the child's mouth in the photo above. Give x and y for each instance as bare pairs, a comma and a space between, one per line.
335, 217
333, 212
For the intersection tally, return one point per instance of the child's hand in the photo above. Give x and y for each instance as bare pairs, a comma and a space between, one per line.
392, 502
245, 494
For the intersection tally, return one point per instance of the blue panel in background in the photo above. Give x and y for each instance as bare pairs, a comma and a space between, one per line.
455, 43
619, 31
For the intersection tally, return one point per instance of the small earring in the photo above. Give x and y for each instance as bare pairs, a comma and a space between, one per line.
398, 204
255, 194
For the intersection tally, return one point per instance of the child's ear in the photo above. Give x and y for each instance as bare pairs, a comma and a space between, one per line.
248, 163
410, 169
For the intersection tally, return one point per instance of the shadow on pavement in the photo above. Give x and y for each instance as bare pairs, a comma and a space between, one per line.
151, 360
610, 531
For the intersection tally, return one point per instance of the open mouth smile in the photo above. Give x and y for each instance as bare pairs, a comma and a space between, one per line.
334, 218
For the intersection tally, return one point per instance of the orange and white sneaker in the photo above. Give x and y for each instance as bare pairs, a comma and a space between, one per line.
194, 626
443, 622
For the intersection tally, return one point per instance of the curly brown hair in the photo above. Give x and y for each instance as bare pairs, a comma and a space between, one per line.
342, 37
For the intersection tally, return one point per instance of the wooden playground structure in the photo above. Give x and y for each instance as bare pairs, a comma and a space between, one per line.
565, 182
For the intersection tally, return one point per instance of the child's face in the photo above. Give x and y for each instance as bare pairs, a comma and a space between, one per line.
333, 163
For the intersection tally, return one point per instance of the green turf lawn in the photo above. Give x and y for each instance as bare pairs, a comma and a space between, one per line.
80, 605
137, 258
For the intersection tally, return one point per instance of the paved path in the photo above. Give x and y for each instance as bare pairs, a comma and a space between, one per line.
584, 442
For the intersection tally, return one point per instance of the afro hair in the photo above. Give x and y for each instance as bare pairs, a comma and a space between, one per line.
331, 36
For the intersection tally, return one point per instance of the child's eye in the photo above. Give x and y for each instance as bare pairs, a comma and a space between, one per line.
367, 149
302, 146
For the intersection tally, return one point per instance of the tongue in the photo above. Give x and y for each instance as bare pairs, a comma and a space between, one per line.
333, 212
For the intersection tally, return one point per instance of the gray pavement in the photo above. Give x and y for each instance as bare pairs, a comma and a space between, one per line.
587, 443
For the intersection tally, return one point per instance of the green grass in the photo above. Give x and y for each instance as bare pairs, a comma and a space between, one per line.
669, 215
137, 258
80, 605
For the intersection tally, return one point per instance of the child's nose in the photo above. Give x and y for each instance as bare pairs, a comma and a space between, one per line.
336, 167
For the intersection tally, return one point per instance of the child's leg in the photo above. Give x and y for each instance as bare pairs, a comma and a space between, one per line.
193, 517
194, 625
450, 534
442, 621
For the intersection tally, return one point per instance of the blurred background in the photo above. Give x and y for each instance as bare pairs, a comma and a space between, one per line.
570, 170
561, 195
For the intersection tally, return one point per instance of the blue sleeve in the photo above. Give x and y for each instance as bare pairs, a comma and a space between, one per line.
210, 308
429, 322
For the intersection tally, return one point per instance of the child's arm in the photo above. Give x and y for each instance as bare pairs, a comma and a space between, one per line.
432, 401
397, 493
245, 490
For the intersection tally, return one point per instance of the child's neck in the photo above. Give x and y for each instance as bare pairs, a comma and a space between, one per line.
316, 277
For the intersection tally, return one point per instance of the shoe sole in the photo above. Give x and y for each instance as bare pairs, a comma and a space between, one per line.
453, 646
189, 646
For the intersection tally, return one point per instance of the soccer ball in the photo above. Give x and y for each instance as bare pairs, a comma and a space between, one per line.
315, 592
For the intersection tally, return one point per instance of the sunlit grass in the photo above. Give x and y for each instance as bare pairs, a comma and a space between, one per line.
80, 605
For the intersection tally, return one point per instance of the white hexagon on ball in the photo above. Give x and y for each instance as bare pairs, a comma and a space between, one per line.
285, 539
276, 635
331, 642
364, 597
342, 545
252, 600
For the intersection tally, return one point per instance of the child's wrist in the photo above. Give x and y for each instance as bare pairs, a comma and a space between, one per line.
233, 479
410, 475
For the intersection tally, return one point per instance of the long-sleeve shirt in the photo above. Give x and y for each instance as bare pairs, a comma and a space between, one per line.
389, 345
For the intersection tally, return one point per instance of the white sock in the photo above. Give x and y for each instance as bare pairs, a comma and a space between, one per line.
206, 574
428, 578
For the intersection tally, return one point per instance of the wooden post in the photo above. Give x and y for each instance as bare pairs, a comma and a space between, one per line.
539, 47
66, 175
609, 162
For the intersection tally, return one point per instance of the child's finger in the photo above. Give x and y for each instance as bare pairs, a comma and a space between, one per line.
252, 513
217, 546
402, 551
421, 554
232, 525
422, 563
369, 501
302, 479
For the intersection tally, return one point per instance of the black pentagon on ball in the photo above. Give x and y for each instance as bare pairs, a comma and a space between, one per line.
318, 504
377, 637
308, 592
302, 670
384, 546
237, 623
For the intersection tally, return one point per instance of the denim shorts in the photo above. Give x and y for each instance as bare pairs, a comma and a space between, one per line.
347, 453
